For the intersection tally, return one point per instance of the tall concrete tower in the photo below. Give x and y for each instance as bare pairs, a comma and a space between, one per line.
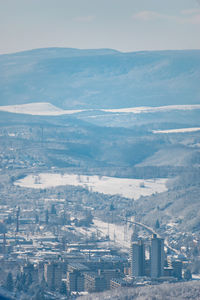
157, 256
137, 258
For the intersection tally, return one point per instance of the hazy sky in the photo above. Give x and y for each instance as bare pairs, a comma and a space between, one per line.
125, 25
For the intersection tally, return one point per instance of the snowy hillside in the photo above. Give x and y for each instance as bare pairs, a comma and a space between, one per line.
40, 109
47, 109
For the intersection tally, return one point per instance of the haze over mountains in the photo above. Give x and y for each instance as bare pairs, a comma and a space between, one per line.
92, 91
82, 79
102, 112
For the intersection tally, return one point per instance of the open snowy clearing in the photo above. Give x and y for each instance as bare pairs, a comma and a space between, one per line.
47, 109
180, 130
130, 188
148, 109
40, 109
119, 234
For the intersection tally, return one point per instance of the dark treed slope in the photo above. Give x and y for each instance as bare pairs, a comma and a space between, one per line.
166, 291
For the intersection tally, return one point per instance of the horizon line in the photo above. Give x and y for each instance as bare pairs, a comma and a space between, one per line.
96, 49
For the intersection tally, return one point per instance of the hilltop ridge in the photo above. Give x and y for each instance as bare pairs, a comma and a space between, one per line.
102, 78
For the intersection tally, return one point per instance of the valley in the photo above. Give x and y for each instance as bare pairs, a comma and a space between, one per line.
92, 143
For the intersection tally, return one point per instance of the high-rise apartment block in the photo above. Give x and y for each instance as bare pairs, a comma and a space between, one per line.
53, 274
137, 259
157, 257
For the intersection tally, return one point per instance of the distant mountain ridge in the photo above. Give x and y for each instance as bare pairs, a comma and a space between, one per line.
102, 78
48, 109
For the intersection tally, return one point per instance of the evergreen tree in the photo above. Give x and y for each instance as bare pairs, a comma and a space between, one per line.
9, 282
47, 216
195, 251
39, 295
29, 279
53, 209
36, 218
157, 224
63, 289
23, 279
18, 283
187, 275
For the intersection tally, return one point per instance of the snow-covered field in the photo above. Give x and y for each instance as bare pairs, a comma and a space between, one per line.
180, 130
130, 188
47, 109
148, 109
119, 234
40, 109
196, 276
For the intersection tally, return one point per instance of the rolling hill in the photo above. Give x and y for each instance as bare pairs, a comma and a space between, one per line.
106, 113
79, 79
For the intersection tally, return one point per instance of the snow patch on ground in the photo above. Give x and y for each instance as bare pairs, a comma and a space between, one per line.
40, 109
196, 276
119, 234
148, 109
130, 188
180, 130
47, 109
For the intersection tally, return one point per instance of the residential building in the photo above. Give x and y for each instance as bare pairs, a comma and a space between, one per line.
137, 259
157, 257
